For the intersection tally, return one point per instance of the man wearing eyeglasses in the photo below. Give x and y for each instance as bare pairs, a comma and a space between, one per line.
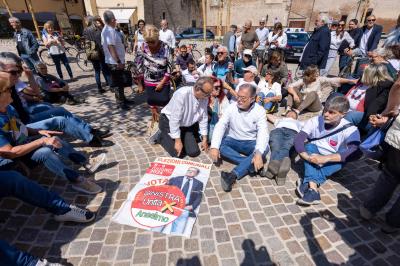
183, 118
241, 136
371, 35
223, 65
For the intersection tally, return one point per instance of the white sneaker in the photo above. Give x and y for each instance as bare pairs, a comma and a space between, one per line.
44, 262
86, 186
95, 162
75, 215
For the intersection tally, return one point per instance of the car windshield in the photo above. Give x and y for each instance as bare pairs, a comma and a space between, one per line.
297, 37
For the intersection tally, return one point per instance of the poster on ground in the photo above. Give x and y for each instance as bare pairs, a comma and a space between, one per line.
167, 198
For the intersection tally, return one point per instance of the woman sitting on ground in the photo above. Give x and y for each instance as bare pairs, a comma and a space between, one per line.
53, 89
217, 104
277, 65
306, 93
325, 143
269, 94
369, 97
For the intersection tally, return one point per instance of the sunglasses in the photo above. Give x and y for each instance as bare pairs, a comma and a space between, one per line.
220, 53
341, 25
13, 72
369, 20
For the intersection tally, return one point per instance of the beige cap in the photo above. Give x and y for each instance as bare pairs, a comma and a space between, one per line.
252, 69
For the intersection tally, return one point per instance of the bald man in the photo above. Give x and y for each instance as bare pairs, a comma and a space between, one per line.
249, 38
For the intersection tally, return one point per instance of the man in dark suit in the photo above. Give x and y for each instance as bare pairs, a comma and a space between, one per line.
192, 189
317, 49
371, 34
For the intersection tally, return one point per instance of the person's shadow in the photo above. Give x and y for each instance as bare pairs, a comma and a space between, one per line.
253, 256
193, 261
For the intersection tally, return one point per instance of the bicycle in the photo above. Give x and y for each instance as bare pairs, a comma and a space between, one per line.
196, 54
45, 57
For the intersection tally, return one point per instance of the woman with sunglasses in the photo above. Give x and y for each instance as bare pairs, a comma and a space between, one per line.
217, 104
338, 35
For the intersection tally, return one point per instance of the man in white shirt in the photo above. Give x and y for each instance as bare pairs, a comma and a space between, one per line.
190, 74
262, 33
184, 117
114, 52
166, 35
241, 136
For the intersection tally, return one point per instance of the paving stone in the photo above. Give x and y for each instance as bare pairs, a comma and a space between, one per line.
175, 242
125, 252
159, 245
158, 259
207, 246
225, 250
94, 249
222, 236
141, 255
191, 245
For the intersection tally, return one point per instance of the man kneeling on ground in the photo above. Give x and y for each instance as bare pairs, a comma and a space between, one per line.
247, 134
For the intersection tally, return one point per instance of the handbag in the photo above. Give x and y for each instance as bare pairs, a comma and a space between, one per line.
372, 145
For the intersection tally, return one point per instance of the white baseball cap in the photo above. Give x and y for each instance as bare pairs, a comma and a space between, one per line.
248, 52
252, 69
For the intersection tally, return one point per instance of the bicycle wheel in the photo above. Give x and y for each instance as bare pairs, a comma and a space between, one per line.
72, 54
83, 63
45, 57
196, 55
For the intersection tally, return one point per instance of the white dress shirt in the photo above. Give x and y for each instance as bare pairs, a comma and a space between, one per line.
282, 40
262, 35
364, 40
184, 110
242, 125
109, 36
167, 37
184, 180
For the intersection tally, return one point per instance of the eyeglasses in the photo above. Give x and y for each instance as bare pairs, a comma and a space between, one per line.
206, 94
243, 98
218, 53
369, 20
13, 72
341, 25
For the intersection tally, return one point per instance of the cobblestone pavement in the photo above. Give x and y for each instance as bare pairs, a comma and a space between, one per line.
258, 223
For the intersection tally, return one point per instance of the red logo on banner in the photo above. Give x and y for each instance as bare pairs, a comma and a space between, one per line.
160, 169
157, 205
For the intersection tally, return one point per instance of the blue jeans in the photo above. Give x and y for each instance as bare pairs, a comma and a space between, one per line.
232, 150
178, 226
69, 125
41, 111
343, 61
269, 105
52, 160
14, 184
31, 60
281, 141
57, 59
101, 66
315, 173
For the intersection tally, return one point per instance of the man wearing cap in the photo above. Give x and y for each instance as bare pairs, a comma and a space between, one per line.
245, 61
249, 76
249, 38
241, 137
262, 34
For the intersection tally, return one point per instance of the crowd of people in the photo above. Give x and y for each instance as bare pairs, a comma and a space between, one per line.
221, 106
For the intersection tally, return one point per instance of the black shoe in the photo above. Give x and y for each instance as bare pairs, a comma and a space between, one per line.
95, 142
128, 101
101, 90
124, 106
227, 181
101, 133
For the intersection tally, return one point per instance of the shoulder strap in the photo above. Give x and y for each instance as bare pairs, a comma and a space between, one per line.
332, 133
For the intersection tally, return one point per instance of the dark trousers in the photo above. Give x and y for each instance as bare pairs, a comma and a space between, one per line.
343, 61
281, 141
189, 136
117, 77
57, 59
386, 185
31, 60
101, 66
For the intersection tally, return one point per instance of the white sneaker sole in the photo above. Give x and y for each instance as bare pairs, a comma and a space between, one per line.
71, 219
100, 161
306, 203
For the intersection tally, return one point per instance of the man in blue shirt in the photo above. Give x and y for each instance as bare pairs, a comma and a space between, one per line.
244, 62
223, 65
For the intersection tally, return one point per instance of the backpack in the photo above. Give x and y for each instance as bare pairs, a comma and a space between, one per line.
91, 50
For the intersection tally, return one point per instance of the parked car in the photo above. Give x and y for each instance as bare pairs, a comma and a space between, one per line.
296, 41
194, 33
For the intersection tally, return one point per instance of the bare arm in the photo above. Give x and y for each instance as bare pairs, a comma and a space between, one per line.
21, 150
